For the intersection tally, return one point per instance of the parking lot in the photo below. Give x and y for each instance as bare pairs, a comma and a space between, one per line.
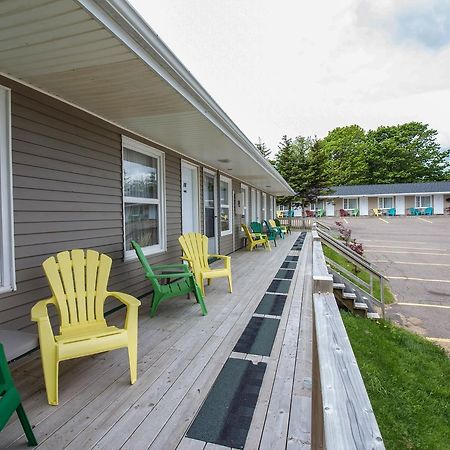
414, 253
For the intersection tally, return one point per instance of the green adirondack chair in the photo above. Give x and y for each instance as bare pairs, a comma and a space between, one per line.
271, 225
320, 212
257, 228
284, 228
184, 281
10, 400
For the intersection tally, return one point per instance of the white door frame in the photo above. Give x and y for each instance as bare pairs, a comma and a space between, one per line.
216, 206
195, 197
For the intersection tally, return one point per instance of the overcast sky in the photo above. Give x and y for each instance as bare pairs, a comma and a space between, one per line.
303, 68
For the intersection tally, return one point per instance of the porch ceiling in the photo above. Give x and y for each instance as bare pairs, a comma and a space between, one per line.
102, 57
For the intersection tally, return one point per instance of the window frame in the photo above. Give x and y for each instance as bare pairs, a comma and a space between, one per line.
420, 205
348, 199
271, 208
245, 202
159, 155
381, 202
7, 258
229, 206
264, 205
253, 212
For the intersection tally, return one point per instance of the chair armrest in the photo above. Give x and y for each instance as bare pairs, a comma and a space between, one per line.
220, 256
170, 266
126, 299
39, 310
172, 275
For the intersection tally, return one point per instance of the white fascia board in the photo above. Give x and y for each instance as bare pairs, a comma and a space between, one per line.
119, 17
384, 195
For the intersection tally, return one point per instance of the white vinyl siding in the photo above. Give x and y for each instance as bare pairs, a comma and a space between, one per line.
143, 197
7, 269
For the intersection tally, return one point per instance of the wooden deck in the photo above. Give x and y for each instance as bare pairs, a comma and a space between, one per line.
180, 355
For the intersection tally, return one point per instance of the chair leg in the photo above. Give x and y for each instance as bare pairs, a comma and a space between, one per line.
230, 284
26, 426
50, 366
156, 300
132, 357
202, 285
199, 297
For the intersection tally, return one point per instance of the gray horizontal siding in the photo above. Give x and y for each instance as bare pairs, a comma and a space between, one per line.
67, 189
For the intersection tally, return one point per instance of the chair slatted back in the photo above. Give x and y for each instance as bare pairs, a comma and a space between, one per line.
273, 223
79, 282
142, 259
195, 247
247, 232
256, 227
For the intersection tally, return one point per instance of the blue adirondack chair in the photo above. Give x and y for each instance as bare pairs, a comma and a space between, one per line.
391, 212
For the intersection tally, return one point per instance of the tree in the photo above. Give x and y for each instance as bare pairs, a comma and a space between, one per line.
405, 153
301, 162
263, 149
346, 148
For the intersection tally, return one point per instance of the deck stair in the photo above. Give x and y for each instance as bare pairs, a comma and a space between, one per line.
350, 297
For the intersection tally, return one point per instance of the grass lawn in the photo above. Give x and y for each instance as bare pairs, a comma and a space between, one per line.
362, 274
408, 382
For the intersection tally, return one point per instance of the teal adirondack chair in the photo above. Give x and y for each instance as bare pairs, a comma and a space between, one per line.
257, 228
10, 400
271, 227
414, 212
428, 211
184, 281
392, 212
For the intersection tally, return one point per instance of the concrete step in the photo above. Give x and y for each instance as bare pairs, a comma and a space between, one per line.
373, 316
360, 305
339, 286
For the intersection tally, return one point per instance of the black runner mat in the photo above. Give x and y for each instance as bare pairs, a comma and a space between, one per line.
279, 286
258, 336
227, 412
272, 304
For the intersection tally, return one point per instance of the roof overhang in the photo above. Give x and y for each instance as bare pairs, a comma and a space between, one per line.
394, 194
102, 57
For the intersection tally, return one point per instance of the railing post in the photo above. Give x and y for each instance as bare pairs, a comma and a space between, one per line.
371, 284
382, 295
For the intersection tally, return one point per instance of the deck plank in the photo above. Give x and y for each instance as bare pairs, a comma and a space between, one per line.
180, 356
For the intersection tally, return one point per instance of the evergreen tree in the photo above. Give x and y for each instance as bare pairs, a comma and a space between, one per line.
263, 149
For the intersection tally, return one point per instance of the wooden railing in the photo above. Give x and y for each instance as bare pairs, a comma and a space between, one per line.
342, 416
360, 262
298, 222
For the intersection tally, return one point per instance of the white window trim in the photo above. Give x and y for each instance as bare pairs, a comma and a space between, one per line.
264, 205
258, 206
349, 198
253, 211
245, 205
7, 261
189, 165
160, 157
420, 197
381, 202
229, 206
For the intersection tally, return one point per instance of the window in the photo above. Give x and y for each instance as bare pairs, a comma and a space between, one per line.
264, 206
350, 203
225, 206
385, 202
272, 209
423, 201
244, 191
7, 269
253, 206
258, 206
143, 197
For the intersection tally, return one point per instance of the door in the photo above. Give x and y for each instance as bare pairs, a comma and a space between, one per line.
329, 211
400, 205
210, 209
438, 204
189, 197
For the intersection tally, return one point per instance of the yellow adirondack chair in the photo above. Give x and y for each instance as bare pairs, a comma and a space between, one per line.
377, 212
78, 282
254, 239
195, 251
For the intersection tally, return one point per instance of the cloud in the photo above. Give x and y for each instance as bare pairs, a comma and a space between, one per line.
414, 22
